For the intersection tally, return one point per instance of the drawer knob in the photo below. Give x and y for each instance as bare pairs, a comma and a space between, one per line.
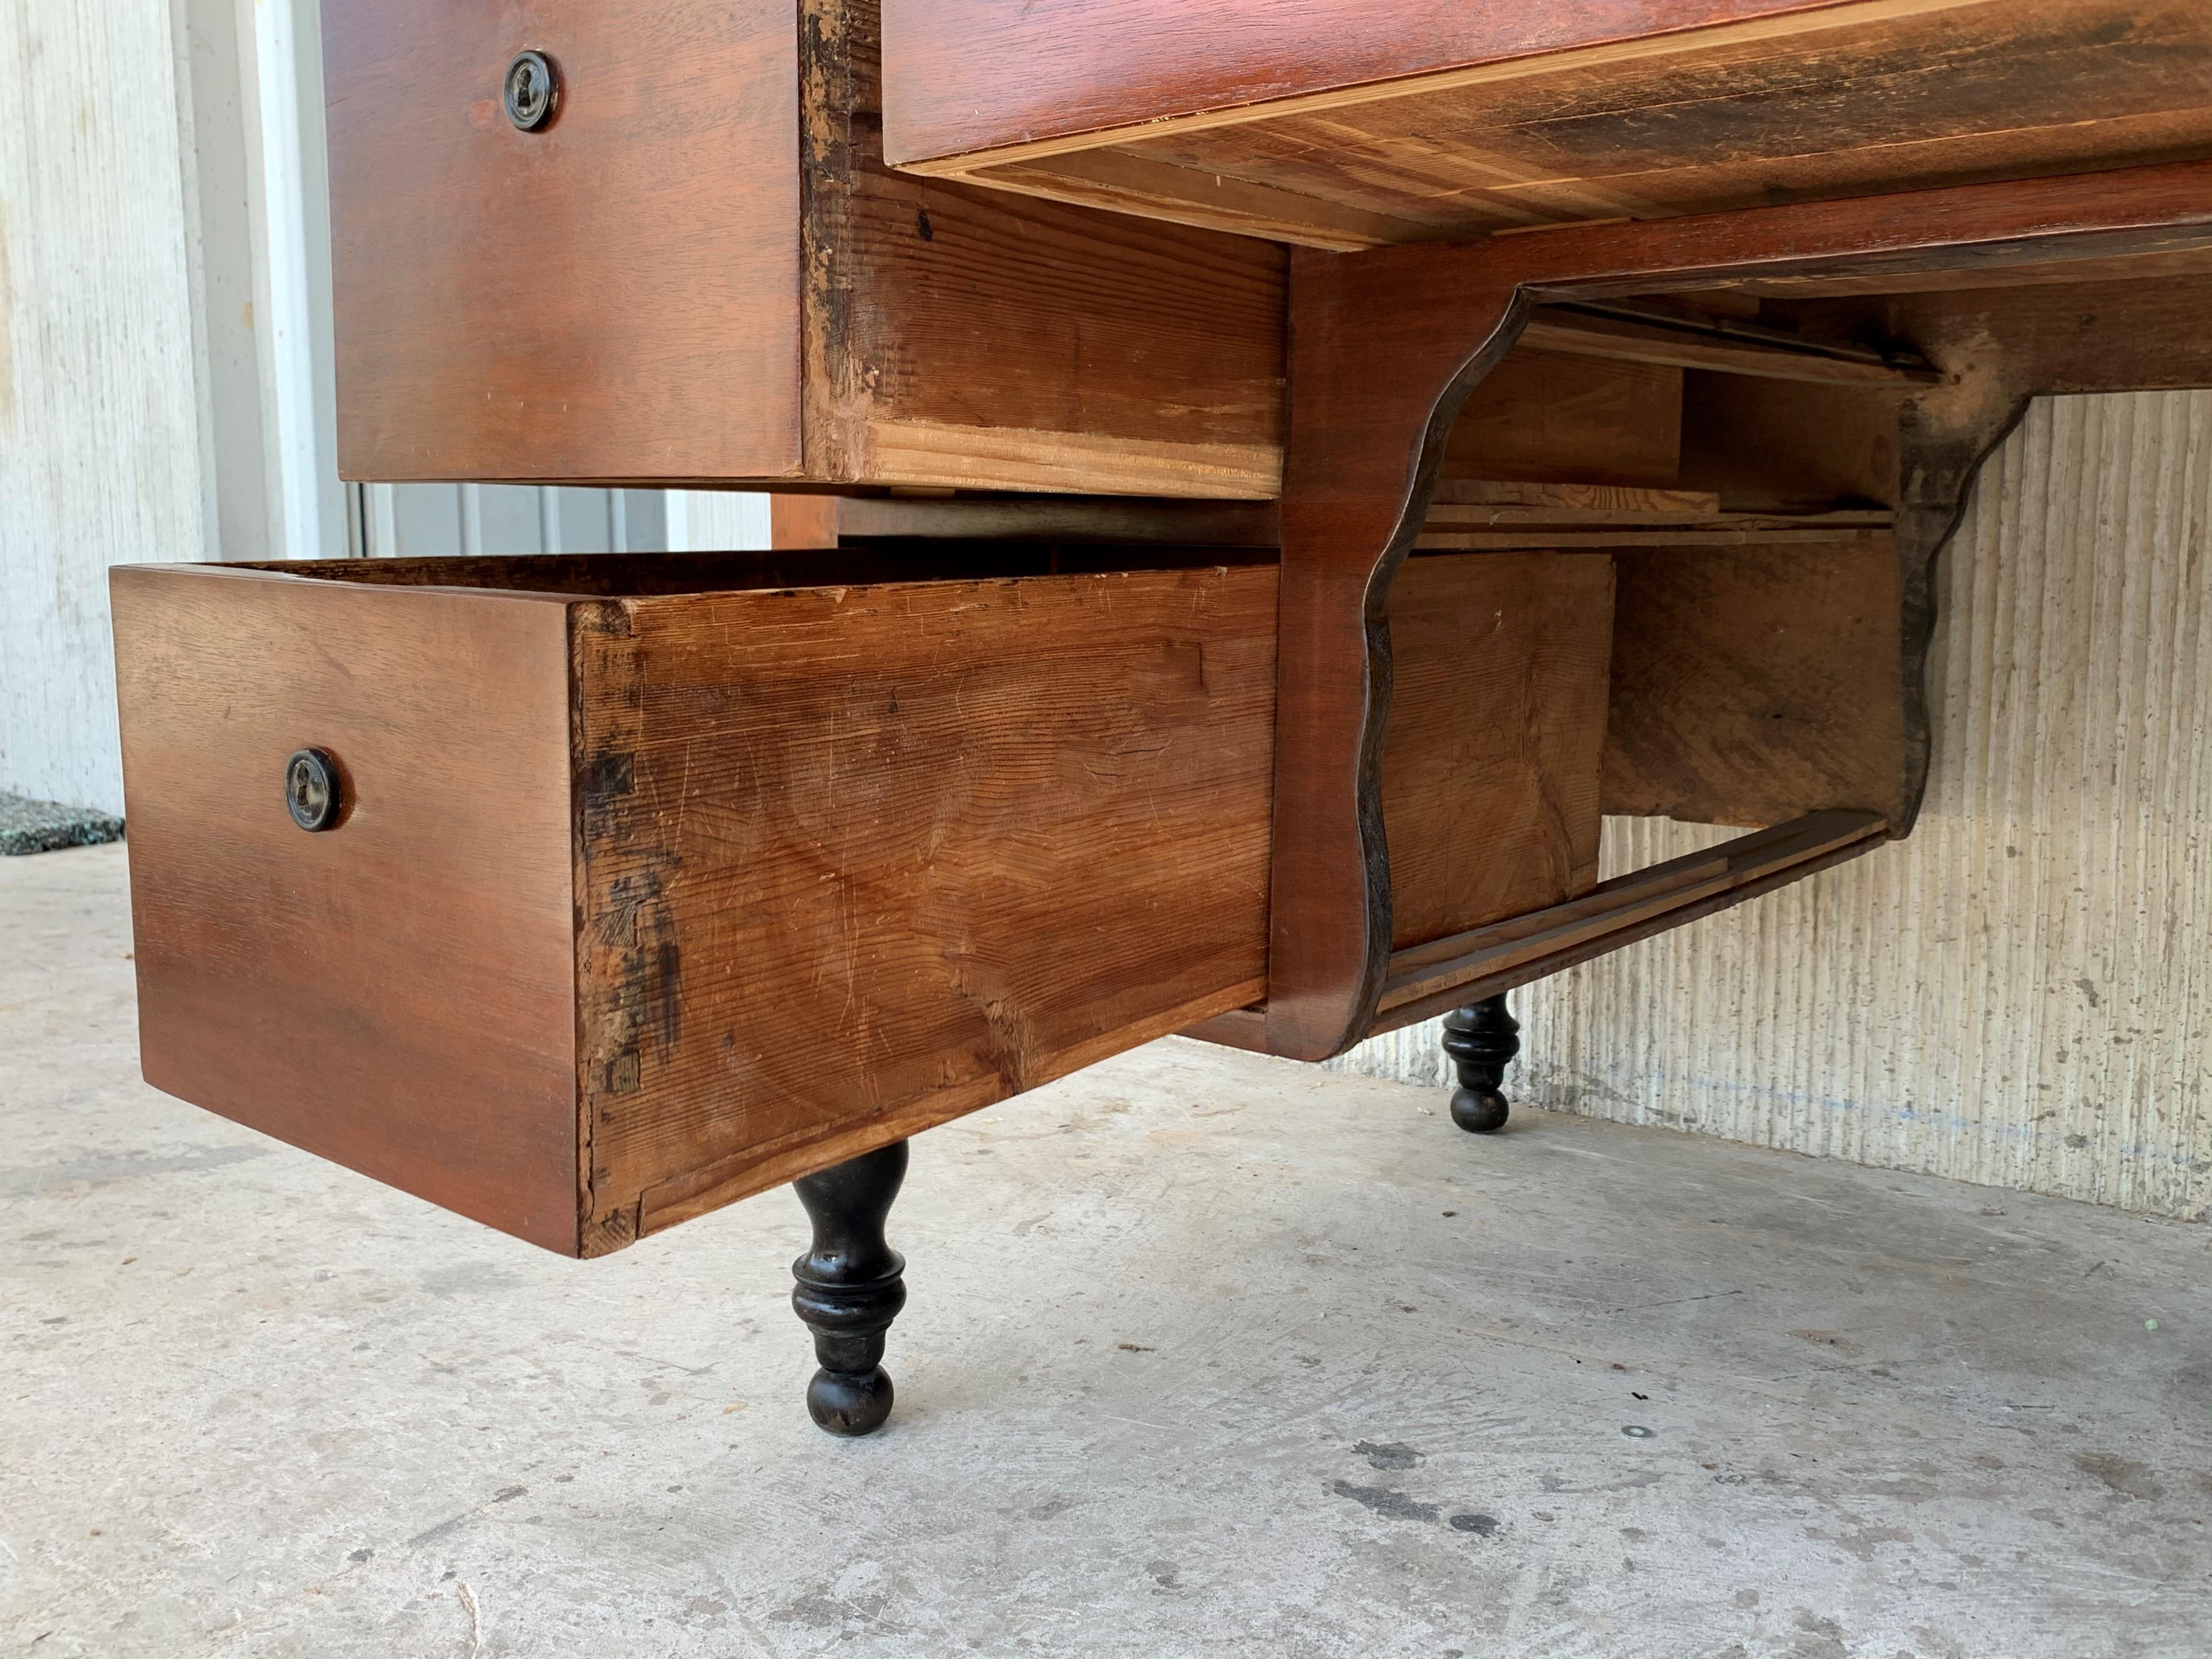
311, 789
532, 89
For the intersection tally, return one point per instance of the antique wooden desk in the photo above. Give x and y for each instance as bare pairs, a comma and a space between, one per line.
1298, 465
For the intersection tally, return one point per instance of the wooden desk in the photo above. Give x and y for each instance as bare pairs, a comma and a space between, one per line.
1278, 481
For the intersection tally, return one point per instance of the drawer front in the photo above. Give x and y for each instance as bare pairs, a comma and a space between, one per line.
613, 295
396, 992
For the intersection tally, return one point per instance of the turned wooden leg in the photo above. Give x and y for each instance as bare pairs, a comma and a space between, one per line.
1481, 1041
849, 1287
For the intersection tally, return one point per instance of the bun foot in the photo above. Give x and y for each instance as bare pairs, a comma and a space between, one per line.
1479, 1111
849, 1403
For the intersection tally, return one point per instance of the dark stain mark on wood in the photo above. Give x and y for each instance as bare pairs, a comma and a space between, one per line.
611, 775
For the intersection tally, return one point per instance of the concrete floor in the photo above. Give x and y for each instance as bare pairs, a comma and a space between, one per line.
1205, 1353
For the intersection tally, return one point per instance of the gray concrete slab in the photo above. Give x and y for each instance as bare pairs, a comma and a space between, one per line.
1206, 1354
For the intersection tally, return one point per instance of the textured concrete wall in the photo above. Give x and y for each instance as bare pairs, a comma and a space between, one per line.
100, 458
2017, 994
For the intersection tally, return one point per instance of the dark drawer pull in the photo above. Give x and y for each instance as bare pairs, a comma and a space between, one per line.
532, 90
311, 789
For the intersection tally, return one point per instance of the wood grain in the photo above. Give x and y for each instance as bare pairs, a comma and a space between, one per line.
971, 75
1490, 761
2017, 88
397, 994
1750, 532
1627, 339
2061, 842
1547, 416
1756, 685
2126, 268
501, 297
1681, 112
1365, 450
970, 339
1582, 500
1770, 448
702, 272
865, 858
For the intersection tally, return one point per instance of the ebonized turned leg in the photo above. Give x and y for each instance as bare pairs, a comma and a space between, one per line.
1481, 1041
849, 1287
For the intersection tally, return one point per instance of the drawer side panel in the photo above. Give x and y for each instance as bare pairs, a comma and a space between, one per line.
985, 340
395, 993
880, 856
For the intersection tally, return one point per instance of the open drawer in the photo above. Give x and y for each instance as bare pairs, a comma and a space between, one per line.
612, 889
652, 881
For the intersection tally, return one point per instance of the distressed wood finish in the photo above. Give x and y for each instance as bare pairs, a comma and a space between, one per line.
970, 75
869, 821
708, 216
1387, 346
965, 337
711, 889
1343, 124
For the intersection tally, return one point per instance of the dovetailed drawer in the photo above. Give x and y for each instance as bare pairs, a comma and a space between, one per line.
652, 881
